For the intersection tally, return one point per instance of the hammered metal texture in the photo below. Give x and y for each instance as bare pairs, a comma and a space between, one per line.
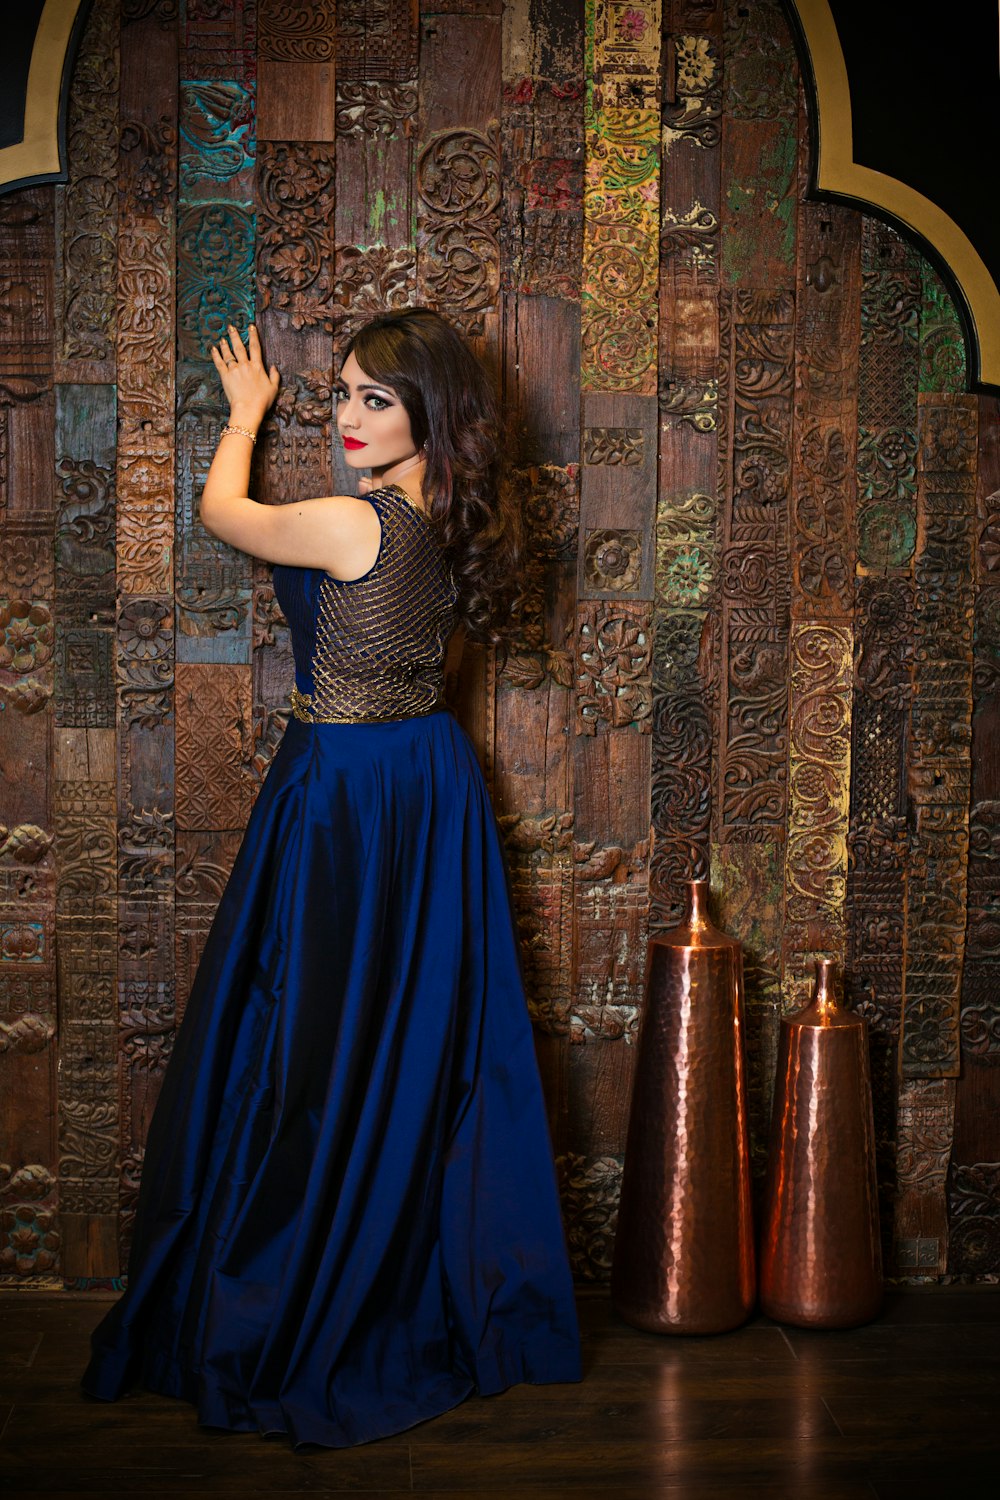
684, 1256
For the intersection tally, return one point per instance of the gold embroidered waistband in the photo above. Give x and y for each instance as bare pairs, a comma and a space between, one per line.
306, 713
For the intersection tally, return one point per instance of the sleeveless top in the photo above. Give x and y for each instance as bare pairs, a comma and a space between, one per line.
371, 649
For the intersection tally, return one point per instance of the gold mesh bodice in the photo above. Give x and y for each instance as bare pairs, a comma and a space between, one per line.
380, 640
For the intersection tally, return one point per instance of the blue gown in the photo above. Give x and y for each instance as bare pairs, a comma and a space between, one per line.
348, 1219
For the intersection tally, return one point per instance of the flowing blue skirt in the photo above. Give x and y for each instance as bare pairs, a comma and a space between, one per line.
348, 1218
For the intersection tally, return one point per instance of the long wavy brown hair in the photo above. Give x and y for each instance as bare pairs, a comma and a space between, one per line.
455, 418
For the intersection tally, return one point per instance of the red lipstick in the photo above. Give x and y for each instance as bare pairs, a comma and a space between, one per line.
350, 442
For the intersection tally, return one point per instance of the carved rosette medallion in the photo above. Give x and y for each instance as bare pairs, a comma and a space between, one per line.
696, 113
612, 559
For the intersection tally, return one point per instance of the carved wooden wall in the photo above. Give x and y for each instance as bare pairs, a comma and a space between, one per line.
762, 632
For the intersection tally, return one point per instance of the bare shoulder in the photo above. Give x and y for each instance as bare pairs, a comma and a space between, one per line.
339, 533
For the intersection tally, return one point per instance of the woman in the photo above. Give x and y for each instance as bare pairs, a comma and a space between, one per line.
348, 1219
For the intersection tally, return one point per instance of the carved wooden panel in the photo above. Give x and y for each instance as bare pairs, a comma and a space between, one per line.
940, 715
687, 518
219, 40
30, 1242
377, 39
214, 721
822, 603
541, 219
757, 340
760, 105
759, 632
747, 888
204, 862
887, 399
296, 87
925, 1127
86, 926
87, 208
980, 1013
458, 195
296, 190
974, 1214
621, 194
149, 208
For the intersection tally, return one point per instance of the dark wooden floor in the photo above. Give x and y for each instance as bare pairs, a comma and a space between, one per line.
907, 1407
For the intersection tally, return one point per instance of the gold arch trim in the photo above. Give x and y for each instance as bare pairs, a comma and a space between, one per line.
37, 154
838, 172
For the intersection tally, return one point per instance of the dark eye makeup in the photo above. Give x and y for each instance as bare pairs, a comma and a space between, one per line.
372, 400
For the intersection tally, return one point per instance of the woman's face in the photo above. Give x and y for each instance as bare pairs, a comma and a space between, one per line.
373, 422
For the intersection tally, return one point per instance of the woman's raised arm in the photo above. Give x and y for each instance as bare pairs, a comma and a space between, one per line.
337, 532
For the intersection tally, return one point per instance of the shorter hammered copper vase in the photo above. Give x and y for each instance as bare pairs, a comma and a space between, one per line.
820, 1257
684, 1251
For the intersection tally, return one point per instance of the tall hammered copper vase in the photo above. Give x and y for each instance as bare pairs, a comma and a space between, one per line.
821, 1259
684, 1253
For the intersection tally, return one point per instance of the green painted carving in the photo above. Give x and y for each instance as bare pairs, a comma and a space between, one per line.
942, 347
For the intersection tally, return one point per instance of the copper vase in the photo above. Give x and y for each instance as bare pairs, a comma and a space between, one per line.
684, 1254
821, 1259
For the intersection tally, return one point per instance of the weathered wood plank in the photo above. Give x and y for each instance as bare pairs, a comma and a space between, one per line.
296, 71
87, 208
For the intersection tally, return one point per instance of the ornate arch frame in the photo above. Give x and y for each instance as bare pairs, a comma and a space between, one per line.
836, 175
40, 155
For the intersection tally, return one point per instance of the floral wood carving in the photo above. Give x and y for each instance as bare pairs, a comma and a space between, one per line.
590, 1188
295, 232
90, 209
372, 109
614, 667
940, 713
216, 136
458, 194
974, 1203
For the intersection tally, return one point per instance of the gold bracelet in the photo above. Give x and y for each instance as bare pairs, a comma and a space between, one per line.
243, 432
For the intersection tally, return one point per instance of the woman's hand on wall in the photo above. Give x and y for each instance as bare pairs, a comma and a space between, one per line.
249, 387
